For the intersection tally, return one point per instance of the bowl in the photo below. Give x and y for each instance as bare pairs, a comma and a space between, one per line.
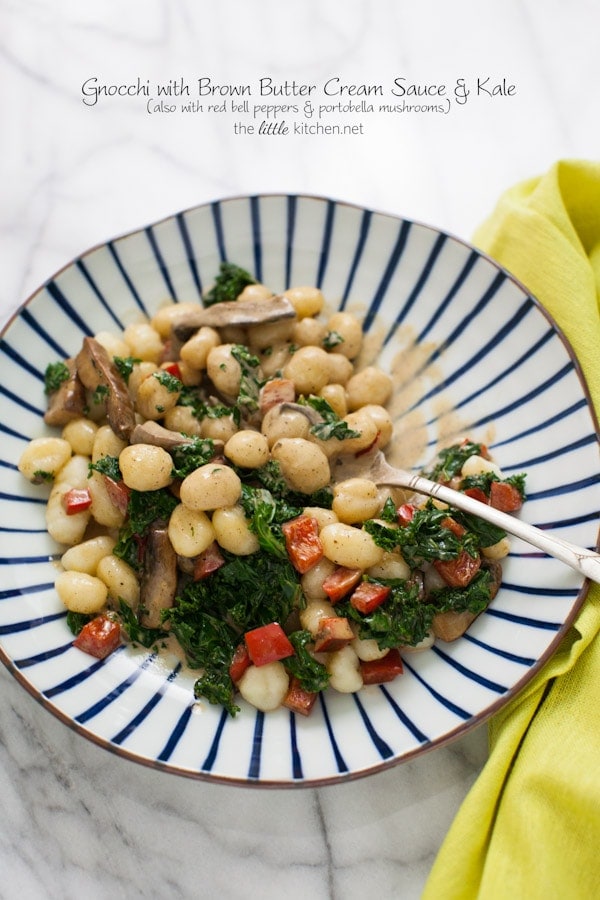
478, 357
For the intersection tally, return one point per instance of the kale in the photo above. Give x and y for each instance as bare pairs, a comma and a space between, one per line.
76, 621
404, 618
451, 460
229, 284
475, 597
331, 426
389, 513
312, 675
208, 642
54, 376
210, 615
107, 465
100, 394
138, 634
124, 366
168, 381
425, 537
216, 686
187, 457
191, 397
250, 382
265, 515
485, 533
332, 339
144, 508
484, 480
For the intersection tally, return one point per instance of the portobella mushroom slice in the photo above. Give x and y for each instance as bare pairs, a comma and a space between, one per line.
152, 433
232, 312
96, 370
68, 402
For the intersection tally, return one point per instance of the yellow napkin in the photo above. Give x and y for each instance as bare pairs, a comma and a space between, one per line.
530, 826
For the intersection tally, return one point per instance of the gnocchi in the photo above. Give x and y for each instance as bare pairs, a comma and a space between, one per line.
199, 498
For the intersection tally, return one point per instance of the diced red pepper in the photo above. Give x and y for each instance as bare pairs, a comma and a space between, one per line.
368, 596
208, 562
453, 526
405, 513
298, 699
173, 369
334, 632
268, 643
379, 671
458, 572
477, 494
340, 582
239, 663
77, 500
302, 542
275, 391
99, 637
118, 493
505, 497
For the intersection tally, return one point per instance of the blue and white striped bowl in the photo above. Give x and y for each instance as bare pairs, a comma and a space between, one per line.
482, 359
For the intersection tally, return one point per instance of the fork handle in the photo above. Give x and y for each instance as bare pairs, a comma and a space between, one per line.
585, 561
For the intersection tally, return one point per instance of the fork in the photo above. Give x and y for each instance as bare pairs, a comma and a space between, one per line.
374, 467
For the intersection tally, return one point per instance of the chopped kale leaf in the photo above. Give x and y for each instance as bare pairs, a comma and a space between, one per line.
144, 508
229, 284
54, 376
312, 675
124, 366
107, 465
187, 457
331, 426
451, 460
404, 618
76, 621
138, 634
168, 381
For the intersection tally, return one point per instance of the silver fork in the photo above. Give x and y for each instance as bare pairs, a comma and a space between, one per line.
374, 466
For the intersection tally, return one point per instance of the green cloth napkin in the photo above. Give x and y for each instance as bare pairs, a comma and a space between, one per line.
530, 826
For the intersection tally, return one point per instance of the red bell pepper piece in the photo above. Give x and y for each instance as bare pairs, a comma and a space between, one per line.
334, 632
268, 643
302, 542
378, 671
453, 526
477, 494
208, 562
458, 572
77, 500
173, 369
298, 699
405, 513
368, 596
340, 582
505, 497
239, 663
99, 637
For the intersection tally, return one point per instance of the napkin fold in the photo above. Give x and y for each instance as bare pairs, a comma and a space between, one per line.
530, 826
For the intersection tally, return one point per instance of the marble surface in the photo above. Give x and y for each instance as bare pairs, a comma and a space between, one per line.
78, 821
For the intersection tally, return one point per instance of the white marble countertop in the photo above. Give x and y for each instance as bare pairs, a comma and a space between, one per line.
78, 821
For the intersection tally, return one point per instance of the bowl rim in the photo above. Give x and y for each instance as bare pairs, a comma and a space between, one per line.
449, 737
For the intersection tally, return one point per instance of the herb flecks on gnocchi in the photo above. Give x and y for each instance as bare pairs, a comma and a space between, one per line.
191, 487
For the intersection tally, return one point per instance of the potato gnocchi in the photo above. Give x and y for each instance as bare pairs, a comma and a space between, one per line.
193, 489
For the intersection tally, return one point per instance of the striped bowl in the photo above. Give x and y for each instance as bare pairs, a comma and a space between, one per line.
479, 357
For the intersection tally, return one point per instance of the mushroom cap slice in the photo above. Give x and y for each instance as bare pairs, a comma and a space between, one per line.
232, 312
